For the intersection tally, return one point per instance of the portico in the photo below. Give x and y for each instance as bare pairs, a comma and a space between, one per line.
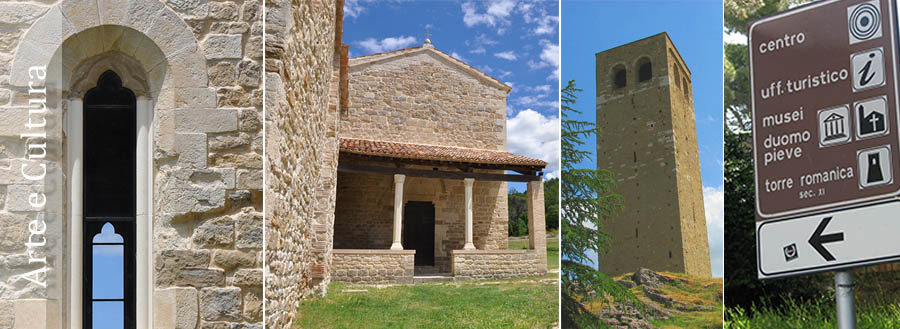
463, 189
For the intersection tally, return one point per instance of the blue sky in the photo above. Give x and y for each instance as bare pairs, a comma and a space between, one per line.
695, 26
515, 41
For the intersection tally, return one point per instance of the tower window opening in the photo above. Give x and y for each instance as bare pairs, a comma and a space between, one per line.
619, 77
645, 70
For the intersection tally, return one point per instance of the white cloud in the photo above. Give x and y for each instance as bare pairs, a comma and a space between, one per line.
546, 25
734, 37
479, 50
354, 8
504, 74
497, 12
507, 55
549, 58
386, 44
714, 201
531, 134
458, 56
536, 101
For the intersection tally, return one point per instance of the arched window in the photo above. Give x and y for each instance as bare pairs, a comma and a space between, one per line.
620, 77
684, 87
109, 205
645, 70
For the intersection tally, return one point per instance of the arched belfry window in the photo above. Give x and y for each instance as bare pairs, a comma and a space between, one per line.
620, 77
645, 70
109, 197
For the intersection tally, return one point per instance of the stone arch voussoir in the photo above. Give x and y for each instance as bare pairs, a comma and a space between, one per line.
146, 30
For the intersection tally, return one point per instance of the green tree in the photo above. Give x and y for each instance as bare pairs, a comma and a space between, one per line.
517, 209
589, 200
551, 203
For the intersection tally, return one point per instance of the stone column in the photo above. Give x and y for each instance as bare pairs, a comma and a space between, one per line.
398, 210
537, 232
469, 245
75, 177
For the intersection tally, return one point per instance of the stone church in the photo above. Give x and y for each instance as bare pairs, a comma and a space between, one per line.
384, 167
648, 139
131, 164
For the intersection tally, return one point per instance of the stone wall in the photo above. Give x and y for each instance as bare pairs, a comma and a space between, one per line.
497, 264
300, 63
364, 213
372, 266
649, 142
424, 98
199, 64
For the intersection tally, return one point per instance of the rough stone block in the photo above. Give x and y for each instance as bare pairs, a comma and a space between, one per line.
15, 231
206, 121
220, 304
195, 98
222, 46
248, 277
222, 74
249, 179
216, 232
175, 308
229, 259
20, 13
227, 11
249, 73
196, 9
191, 150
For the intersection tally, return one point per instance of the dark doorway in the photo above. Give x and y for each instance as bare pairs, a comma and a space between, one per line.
418, 231
110, 138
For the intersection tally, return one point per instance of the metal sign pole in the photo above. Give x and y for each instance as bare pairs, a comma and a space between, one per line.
846, 307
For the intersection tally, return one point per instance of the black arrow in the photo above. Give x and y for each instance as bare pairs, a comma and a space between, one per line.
817, 239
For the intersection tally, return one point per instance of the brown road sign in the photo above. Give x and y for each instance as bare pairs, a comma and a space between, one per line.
825, 134
824, 107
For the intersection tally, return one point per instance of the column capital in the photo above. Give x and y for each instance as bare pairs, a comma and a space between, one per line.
469, 181
399, 178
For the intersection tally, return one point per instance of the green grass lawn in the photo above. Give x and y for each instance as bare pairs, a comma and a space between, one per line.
508, 303
513, 303
821, 314
552, 250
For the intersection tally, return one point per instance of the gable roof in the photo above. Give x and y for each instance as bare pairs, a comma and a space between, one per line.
428, 48
435, 153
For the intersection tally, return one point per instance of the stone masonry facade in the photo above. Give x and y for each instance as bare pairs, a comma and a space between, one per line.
199, 64
649, 142
497, 264
304, 55
373, 266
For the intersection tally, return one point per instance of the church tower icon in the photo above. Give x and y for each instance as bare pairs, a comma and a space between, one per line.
871, 117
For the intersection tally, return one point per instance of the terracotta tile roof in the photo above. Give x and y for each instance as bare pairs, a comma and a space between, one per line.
435, 153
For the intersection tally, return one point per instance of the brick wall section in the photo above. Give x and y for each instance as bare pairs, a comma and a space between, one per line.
497, 264
300, 55
649, 142
372, 266
364, 216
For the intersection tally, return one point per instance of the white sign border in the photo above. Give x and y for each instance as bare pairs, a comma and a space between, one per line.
822, 268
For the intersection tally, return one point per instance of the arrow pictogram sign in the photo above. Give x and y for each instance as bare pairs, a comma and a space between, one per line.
817, 239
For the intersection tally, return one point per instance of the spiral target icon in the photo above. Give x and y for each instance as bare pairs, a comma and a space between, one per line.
865, 22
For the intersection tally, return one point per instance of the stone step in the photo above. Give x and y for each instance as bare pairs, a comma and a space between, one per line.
431, 278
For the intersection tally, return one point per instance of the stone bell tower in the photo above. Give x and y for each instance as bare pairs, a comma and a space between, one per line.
648, 140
